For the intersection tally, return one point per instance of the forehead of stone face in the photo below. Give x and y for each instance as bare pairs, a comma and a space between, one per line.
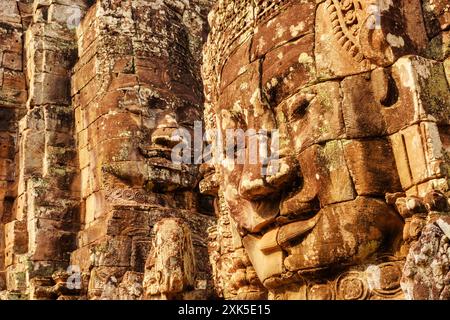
241, 103
312, 115
285, 43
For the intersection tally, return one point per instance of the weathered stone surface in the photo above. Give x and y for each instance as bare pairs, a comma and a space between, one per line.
372, 166
288, 68
361, 116
352, 98
419, 156
325, 170
314, 115
426, 272
170, 267
362, 100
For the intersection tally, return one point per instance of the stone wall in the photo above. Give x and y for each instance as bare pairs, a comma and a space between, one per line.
13, 97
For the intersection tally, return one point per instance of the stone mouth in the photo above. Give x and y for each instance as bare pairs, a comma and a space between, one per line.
165, 176
158, 153
282, 235
161, 157
207, 171
298, 228
300, 205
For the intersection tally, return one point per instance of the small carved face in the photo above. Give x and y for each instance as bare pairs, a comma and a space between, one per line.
164, 95
172, 121
159, 120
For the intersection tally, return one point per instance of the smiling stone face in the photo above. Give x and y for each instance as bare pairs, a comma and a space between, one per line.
321, 207
146, 85
332, 80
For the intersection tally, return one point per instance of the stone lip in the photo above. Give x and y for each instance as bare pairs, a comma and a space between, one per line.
164, 173
297, 229
157, 152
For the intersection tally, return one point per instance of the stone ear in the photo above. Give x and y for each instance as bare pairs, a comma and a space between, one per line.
389, 38
374, 44
384, 87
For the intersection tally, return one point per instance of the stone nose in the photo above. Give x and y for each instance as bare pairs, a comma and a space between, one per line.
259, 181
166, 137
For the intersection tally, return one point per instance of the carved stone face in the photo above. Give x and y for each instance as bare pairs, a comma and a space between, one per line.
164, 97
170, 120
318, 73
155, 119
323, 207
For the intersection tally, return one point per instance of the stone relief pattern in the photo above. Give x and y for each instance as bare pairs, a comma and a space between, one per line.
344, 16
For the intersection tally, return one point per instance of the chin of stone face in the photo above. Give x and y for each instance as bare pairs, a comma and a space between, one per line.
235, 149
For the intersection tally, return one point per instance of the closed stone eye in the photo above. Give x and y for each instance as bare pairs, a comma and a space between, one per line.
300, 106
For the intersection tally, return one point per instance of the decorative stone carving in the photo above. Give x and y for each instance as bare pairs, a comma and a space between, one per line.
170, 267
426, 235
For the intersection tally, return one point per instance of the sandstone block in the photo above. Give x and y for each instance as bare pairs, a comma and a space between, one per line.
85, 74
49, 89
236, 64
93, 232
113, 252
362, 104
372, 167
326, 171
11, 38
314, 115
16, 237
288, 68
13, 80
418, 150
47, 242
12, 61
291, 23
96, 207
